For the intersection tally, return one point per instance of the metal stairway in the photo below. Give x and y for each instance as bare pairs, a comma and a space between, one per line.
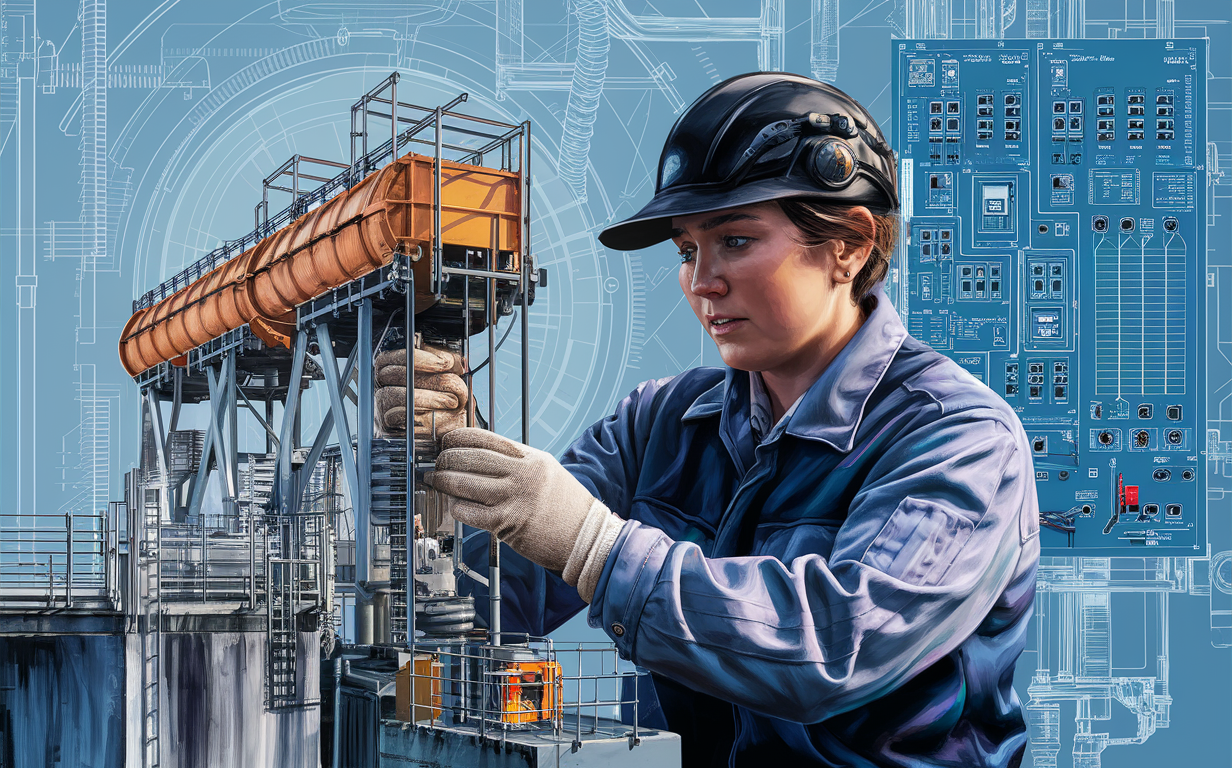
281, 635
151, 634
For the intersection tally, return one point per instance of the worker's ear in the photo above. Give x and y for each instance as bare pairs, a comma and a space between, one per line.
849, 258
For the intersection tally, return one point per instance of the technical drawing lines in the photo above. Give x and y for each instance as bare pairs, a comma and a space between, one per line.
589, 71
1141, 318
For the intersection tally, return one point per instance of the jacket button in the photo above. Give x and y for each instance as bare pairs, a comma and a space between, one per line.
618, 629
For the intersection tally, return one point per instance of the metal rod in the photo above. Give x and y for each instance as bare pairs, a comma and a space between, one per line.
362, 355
271, 440
494, 586
412, 468
437, 250
252, 560
337, 745
416, 122
68, 560
455, 102
233, 418
393, 115
270, 434
488, 273
525, 284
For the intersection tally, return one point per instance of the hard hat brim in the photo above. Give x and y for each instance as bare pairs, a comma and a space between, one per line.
653, 223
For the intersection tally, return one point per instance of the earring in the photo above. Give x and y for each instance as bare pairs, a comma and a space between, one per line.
846, 274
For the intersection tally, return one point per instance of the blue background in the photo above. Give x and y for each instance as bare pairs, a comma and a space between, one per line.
204, 99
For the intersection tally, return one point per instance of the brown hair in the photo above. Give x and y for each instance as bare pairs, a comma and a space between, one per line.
820, 222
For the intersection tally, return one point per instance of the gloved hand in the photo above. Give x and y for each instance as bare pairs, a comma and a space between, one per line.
440, 393
529, 501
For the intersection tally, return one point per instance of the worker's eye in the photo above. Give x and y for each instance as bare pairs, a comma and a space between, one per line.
687, 252
734, 242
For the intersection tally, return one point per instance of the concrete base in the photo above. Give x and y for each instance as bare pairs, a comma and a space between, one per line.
62, 700
213, 703
462, 747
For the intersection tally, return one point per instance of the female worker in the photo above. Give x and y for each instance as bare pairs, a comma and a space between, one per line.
824, 552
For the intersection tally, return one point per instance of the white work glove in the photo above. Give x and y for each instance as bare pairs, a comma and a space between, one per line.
529, 501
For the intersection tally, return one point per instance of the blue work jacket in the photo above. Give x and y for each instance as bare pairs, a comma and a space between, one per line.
852, 591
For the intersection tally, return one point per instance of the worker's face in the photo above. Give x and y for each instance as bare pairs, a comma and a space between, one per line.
766, 301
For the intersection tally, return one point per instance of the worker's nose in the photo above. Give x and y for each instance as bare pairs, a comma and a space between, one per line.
708, 276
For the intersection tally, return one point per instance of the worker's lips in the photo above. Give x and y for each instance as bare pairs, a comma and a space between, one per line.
724, 325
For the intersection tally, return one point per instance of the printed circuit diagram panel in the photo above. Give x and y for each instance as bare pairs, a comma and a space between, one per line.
1053, 245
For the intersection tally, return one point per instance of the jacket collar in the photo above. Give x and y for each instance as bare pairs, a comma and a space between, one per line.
833, 406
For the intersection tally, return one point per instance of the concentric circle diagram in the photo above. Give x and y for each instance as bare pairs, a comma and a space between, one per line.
202, 179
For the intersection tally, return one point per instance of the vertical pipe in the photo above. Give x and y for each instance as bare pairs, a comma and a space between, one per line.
337, 746
525, 281
68, 559
411, 464
494, 588
437, 251
252, 561
393, 117
362, 504
269, 419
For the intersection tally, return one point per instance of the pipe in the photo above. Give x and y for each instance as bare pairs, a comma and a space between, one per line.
347, 237
589, 72
337, 752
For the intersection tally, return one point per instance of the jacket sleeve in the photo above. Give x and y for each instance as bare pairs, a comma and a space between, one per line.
605, 459
931, 540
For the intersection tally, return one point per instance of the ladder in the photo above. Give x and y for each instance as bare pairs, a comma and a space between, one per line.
397, 580
151, 632
281, 634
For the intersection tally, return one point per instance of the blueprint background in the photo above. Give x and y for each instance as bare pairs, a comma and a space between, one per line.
116, 184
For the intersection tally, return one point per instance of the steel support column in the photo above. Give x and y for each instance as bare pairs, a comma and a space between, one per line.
362, 504
290, 418
342, 431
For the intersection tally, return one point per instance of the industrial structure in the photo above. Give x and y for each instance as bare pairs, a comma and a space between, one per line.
265, 605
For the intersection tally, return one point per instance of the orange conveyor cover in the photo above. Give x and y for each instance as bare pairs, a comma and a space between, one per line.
345, 238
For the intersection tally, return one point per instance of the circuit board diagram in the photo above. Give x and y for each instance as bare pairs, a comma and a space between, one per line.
1054, 245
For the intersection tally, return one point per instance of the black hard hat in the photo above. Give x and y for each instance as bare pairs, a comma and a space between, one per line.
758, 137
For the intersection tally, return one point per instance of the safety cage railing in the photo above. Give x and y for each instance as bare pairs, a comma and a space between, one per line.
565, 690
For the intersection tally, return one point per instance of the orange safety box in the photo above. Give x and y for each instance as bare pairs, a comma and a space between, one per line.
530, 691
427, 690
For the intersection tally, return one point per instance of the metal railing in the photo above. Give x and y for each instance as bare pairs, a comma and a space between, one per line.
357, 171
525, 683
55, 559
213, 558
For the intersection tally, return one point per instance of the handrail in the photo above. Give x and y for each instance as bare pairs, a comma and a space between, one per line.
363, 166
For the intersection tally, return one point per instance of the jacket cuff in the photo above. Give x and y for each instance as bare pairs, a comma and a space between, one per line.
628, 577
599, 530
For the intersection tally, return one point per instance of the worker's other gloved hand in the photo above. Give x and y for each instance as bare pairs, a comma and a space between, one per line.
440, 393
532, 503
